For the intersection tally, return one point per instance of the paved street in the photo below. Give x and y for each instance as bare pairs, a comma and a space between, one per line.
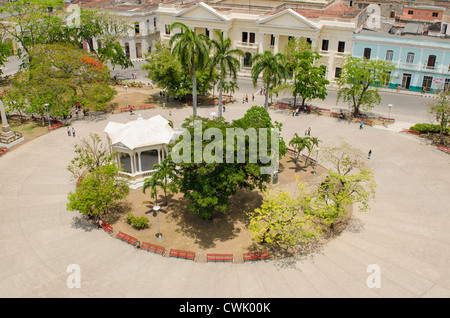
406, 234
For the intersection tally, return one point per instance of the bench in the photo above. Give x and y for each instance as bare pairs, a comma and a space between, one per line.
323, 109
108, 228
444, 149
127, 238
255, 256
386, 119
409, 131
292, 151
153, 248
3, 150
147, 106
57, 125
182, 254
125, 109
219, 257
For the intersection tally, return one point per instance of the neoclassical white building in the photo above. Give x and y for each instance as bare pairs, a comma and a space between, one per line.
140, 144
254, 27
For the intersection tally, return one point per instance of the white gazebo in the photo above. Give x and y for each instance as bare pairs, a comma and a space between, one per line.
140, 144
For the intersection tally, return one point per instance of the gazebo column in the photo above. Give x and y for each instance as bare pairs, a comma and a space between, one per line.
139, 160
133, 171
159, 156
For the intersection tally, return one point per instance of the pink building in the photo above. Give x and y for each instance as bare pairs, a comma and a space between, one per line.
422, 13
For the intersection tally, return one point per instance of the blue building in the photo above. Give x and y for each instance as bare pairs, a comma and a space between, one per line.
422, 62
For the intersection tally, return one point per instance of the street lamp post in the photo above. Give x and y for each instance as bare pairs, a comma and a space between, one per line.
126, 93
48, 114
156, 209
390, 106
317, 157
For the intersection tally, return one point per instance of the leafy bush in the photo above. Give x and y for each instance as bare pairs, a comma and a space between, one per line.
429, 128
138, 223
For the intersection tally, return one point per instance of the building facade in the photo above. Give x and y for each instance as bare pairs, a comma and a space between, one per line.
422, 62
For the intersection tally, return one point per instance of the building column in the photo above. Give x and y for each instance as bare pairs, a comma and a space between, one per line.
261, 43
159, 156
276, 44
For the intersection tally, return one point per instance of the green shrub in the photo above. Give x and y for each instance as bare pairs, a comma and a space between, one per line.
429, 128
138, 223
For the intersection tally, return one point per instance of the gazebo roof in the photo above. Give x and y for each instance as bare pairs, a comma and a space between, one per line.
140, 133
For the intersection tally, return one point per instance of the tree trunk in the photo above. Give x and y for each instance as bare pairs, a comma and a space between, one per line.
266, 104
219, 111
194, 90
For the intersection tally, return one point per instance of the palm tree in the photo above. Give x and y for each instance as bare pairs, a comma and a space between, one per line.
152, 183
192, 50
299, 143
224, 57
273, 69
312, 142
230, 87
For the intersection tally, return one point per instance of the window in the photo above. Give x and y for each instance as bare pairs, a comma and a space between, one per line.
389, 55
410, 11
252, 37
341, 46
447, 85
137, 30
154, 22
207, 32
435, 14
324, 45
245, 37
410, 58
167, 29
337, 73
367, 52
272, 40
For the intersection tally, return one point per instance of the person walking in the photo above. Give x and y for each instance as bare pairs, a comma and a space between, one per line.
170, 111
361, 125
68, 131
73, 132
246, 98
370, 153
253, 97
309, 131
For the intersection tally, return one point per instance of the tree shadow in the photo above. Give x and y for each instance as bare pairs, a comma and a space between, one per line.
222, 227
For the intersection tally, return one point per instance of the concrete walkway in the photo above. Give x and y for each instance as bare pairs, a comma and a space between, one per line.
406, 234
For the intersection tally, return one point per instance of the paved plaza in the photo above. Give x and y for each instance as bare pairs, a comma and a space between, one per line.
406, 234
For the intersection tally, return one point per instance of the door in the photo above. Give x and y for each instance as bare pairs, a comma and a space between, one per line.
406, 81
426, 84
431, 61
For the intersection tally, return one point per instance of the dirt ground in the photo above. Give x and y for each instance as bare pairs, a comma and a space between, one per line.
224, 232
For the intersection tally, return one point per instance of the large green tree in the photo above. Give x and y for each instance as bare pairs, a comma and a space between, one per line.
62, 75
359, 82
226, 58
210, 177
272, 68
310, 81
192, 51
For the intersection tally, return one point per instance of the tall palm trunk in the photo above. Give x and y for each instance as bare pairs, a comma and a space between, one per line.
219, 111
194, 90
266, 104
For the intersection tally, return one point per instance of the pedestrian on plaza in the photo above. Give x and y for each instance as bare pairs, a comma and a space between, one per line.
68, 131
361, 125
73, 132
246, 98
370, 153
306, 132
309, 131
164, 105
223, 107
170, 111
253, 97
